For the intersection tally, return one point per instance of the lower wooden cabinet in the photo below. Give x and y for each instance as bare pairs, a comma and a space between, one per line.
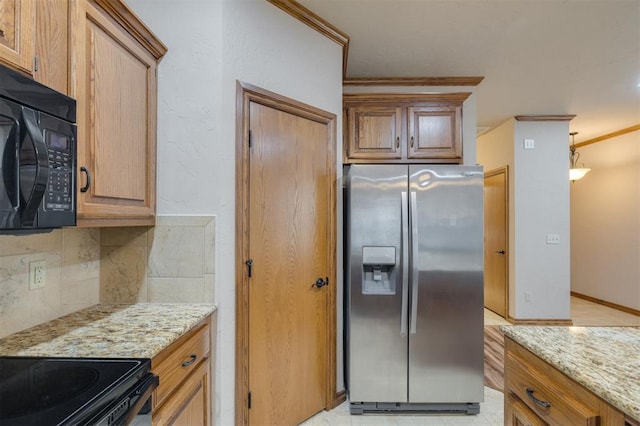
537, 394
184, 394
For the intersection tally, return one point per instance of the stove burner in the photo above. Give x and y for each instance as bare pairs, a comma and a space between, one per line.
41, 387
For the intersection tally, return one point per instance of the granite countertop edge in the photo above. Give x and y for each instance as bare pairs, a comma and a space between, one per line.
599, 358
140, 330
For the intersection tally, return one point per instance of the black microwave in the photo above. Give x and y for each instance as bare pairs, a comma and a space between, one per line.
38, 155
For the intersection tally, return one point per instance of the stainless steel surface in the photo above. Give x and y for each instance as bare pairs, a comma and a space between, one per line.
414, 263
377, 366
433, 217
446, 353
405, 262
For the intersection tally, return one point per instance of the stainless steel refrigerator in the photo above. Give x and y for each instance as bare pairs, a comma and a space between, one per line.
414, 273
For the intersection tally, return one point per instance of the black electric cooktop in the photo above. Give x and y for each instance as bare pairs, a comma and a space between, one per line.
62, 391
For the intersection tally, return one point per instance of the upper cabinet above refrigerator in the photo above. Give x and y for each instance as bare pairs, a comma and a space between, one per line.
403, 128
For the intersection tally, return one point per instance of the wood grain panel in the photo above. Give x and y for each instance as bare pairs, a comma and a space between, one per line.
114, 81
571, 403
518, 414
435, 131
288, 230
52, 44
496, 228
17, 34
245, 248
493, 357
374, 132
397, 99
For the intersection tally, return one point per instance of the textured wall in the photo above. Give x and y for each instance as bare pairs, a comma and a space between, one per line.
605, 222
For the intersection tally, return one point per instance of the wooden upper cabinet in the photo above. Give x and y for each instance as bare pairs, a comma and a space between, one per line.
403, 128
375, 133
17, 34
116, 59
434, 132
52, 44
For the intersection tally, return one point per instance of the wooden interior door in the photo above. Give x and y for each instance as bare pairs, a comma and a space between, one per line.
289, 246
496, 287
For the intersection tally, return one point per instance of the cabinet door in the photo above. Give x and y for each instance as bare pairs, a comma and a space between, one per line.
116, 94
52, 44
17, 34
434, 132
374, 132
189, 405
518, 414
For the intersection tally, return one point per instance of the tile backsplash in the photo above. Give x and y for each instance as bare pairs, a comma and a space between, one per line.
171, 262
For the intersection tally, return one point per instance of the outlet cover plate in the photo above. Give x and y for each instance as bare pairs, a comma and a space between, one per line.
37, 274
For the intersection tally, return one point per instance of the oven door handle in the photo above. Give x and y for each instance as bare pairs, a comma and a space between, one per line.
148, 384
41, 166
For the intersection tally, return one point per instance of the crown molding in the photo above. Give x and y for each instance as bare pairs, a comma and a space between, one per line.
395, 98
609, 135
315, 22
412, 81
568, 117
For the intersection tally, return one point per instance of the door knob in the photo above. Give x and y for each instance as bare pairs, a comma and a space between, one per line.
500, 252
320, 282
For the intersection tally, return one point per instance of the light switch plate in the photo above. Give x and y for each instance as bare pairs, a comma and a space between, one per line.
529, 143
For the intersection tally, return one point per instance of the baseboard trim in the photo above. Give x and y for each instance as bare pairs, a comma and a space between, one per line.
562, 322
607, 304
340, 398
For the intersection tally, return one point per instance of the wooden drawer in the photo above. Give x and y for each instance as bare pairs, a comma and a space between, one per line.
517, 413
178, 361
536, 386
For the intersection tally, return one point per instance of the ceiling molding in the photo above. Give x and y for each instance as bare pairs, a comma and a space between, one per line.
609, 135
124, 16
396, 98
315, 22
412, 81
544, 117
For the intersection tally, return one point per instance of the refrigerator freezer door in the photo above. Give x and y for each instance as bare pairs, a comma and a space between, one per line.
446, 350
377, 348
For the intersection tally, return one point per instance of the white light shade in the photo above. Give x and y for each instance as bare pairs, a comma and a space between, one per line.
575, 174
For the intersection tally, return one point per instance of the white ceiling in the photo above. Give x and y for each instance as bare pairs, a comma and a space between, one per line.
538, 57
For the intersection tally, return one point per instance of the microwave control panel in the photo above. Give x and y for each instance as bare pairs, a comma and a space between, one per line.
59, 194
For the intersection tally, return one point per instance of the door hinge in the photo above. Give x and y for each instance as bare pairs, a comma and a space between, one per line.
249, 264
250, 138
249, 400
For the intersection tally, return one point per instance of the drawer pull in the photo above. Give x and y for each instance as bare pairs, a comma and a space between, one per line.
192, 359
539, 402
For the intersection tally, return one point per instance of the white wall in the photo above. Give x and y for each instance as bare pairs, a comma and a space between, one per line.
538, 205
469, 110
605, 222
211, 45
541, 197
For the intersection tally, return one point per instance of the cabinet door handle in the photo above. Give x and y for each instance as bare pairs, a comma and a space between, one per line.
85, 188
539, 402
411, 141
192, 359
398, 142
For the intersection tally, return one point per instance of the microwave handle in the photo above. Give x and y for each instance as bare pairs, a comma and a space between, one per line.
42, 167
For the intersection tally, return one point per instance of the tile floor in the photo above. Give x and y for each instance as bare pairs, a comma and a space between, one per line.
583, 313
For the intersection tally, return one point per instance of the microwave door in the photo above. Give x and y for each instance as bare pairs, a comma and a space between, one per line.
33, 168
9, 197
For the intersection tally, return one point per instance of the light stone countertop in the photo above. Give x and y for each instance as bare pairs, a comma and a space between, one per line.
605, 360
108, 331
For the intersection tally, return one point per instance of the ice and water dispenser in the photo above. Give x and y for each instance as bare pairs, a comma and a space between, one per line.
379, 272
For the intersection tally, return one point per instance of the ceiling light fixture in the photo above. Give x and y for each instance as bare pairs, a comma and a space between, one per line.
577, 171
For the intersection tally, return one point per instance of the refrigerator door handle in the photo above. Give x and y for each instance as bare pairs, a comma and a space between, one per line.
414, 262
405, 262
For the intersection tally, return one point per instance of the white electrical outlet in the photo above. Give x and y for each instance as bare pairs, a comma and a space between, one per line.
37, 274
527, 296
553, 239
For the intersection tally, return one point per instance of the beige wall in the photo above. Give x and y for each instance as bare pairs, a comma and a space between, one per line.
72, 276
171, 262
605, 222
